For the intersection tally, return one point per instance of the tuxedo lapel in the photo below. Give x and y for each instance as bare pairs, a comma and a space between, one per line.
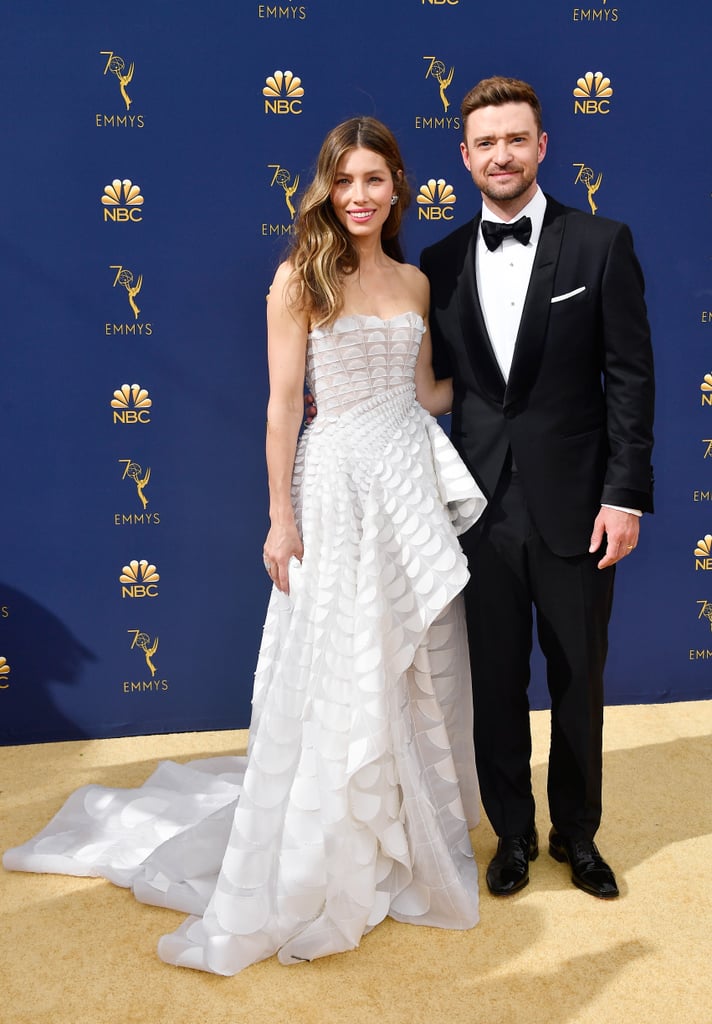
472, 324
531, 337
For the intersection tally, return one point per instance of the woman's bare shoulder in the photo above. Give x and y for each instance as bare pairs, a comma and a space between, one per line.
417, 284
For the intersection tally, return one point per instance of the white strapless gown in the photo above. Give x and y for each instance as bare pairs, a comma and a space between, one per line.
359, 786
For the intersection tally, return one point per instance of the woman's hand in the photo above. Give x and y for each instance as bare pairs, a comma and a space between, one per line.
281, 544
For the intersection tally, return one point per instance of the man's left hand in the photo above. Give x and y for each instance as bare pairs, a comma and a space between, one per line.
621, 530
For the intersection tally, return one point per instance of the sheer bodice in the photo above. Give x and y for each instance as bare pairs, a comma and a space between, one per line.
358, 357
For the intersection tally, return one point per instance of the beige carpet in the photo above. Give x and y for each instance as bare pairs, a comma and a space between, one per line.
80, 951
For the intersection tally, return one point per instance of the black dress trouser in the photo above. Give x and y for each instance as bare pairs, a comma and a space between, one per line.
514, 575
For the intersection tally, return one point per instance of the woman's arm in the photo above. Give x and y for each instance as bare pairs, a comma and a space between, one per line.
286, 355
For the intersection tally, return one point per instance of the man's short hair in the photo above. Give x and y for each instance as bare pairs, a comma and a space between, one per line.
494, 92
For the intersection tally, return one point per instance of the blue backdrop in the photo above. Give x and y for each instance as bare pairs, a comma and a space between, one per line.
152, 162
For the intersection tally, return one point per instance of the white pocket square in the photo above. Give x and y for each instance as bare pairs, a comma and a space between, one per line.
569, 295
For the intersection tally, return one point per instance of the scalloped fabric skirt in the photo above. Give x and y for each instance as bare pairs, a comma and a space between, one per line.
359, 786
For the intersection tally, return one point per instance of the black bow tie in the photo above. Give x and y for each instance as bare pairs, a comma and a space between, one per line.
493, 232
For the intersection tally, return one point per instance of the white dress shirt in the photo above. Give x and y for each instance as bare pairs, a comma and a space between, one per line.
503, 279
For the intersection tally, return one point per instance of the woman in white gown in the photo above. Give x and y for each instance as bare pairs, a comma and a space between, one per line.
359, 787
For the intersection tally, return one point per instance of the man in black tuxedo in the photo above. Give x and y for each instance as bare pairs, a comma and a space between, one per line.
543, 329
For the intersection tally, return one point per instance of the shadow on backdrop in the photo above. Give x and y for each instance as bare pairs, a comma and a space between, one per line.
37, 651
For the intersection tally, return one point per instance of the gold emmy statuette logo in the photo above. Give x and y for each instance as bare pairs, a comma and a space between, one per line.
282, 177
131, 404
592, 93
116, 65
703, 553
148, 647
4, 673
586, 176
135, 473
706, 611
283, 92
121, 201
436, 200
139, 579
706, 389
125, 278
436, 70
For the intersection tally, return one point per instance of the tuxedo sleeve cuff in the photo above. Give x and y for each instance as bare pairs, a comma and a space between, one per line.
627, 498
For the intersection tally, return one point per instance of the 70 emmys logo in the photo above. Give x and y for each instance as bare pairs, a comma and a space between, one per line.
594, 91
117, 66
587, 177
438, 71
125, 277
148, 646
282, 177
706, 611
283, 92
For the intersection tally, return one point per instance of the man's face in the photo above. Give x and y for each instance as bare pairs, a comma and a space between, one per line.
502, 151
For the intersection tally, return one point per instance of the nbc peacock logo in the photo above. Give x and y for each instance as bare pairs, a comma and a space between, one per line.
592, 94
131, 404
436, 200
703, 553
139, 579
4, 674
122, 201
283, 92
706, 389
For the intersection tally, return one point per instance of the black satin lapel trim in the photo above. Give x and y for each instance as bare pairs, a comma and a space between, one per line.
537, 307
472, 324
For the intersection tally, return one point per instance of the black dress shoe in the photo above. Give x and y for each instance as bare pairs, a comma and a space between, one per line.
589, 870
508, 871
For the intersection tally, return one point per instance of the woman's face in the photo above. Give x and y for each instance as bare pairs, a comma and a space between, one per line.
361, 193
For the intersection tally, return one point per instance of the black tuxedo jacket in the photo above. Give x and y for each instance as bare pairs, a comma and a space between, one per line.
577, 408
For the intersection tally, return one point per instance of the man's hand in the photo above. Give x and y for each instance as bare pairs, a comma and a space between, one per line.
621, 530
309, 408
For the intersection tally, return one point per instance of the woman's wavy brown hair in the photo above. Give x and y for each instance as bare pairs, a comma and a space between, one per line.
322, 253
